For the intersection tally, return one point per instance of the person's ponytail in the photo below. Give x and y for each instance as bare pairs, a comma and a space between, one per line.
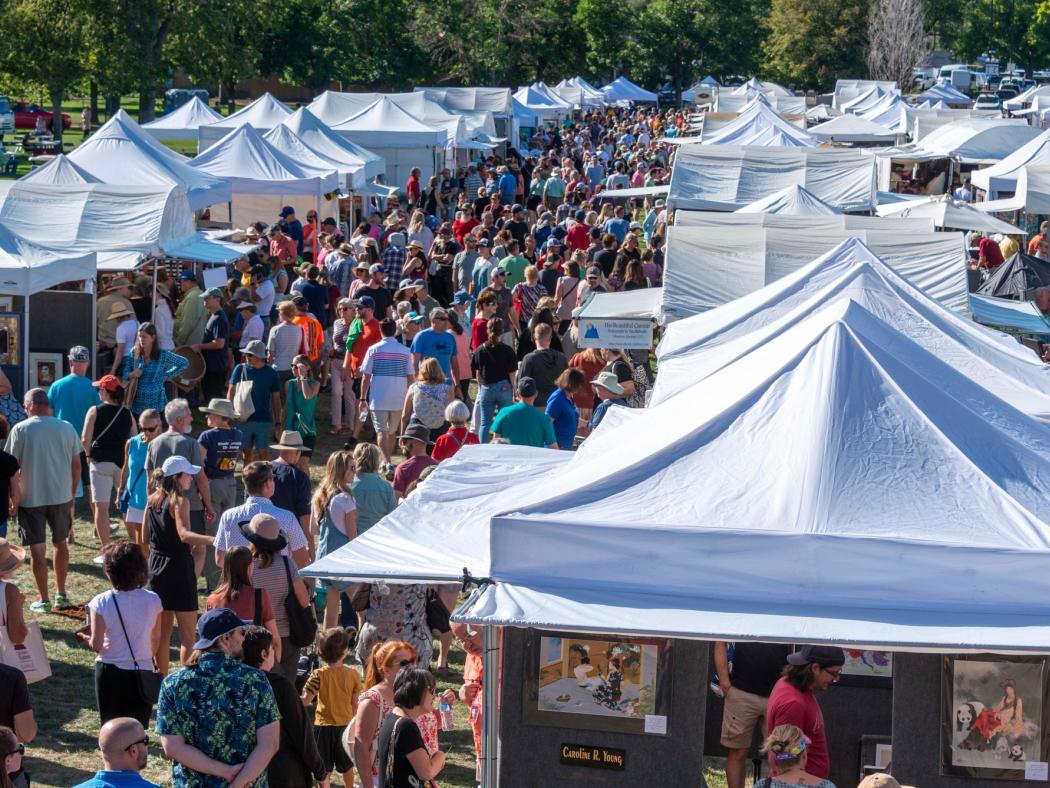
495, 327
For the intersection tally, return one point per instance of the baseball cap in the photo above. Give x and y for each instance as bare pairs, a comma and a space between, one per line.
412, 317
636, 226
108, 382
301, 303
375, 268
580, 216
212, 292
499, 271
594, 271
364, 301
255, 348
189, 276
176, 464
216, 623
484, 242
287, 211
825, 656
516, 208
79, 353
526, 386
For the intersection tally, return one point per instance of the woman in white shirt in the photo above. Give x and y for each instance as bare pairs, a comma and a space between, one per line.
333, 516
124, 628
253, 325
163, 318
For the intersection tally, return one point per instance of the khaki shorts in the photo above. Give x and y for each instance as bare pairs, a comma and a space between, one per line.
743, 711
105, 477
386, 421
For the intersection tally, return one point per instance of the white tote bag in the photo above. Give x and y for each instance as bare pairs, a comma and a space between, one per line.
242, 397
29, 657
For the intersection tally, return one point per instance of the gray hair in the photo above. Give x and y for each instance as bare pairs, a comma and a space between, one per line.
149, 414
457, 412
438, 311
37, 396
176, 409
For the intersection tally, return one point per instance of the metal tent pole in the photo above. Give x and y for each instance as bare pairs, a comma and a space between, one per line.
490, 722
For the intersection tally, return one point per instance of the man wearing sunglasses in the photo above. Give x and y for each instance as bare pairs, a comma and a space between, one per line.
793, 701
125, 750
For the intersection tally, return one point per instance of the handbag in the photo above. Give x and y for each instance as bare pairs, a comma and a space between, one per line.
28, 656
437, 613
147, 681
362, 598
125, 496
302, 623
242, 397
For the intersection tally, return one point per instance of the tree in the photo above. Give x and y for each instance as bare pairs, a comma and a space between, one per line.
811, 44
1018, 31
607, 33
45, 41
673, 34
896, 39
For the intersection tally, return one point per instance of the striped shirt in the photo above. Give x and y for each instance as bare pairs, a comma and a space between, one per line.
390, 365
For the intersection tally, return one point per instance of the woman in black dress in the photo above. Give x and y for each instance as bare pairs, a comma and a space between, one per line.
172, 575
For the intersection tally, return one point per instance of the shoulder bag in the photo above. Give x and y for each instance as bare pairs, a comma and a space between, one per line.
147, 681
28, 656
125, 496
437, 613
243, 405
302, 623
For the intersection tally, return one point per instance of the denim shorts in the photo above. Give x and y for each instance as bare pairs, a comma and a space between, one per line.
255, 434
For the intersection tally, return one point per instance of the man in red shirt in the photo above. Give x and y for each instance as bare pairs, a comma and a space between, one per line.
989, 254
793, 700
412, 191
465, 222
283, 246
363, 332
579, 235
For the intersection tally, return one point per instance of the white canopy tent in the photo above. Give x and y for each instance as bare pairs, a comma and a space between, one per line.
27, 267
865, 100
1026, 98
332, 106
545, 90
121, 152
706, 267
947, 94
693, 349
262, 114
1002, 176
254, 166
182, 123
59, 171
922, 122
542, 105
624, 320
727, 177
580, 92
978, 140
891, 112
358, 163
853, 128
758, 120
295, 148
494, 100
793, 200
848, 89
385, 128
622, 89
948, 213
740, 221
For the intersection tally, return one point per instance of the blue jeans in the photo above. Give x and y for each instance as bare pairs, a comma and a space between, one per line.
489, 398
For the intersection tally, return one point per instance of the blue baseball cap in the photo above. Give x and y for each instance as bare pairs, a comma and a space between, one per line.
412, 317
364, 301
189, 276
216, 623
461, 297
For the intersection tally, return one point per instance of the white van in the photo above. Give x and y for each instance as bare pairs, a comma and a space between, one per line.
958, 76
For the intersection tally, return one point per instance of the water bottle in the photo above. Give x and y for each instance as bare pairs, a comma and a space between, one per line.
446, 715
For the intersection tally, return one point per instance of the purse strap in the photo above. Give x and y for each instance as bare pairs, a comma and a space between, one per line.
138, 476
117, 415
131, 648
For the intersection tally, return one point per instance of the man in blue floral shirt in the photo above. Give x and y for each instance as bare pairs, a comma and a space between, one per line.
218, 719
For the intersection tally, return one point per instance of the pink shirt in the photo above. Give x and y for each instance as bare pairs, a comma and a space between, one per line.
788, 706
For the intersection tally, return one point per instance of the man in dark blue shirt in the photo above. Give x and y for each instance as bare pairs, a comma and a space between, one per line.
213, 345
293, 228
316, 294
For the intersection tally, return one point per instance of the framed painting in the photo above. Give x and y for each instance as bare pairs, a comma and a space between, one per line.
867, 668
593, 682
993, 715
10, 339
44, 369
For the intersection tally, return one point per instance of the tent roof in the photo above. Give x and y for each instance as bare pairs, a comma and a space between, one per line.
545, 90
60, 170
359, 162
945, 93
727, 177
1002, 176
976, 140
946, 212
759, 121
865, 100
1019, 101
693, 348
622, 89
331, 107
120, 151
383, 124
183, 122
254, 166
539, 103
813, 223
706, 267
263, 113
852, 128
891, 112
642, 303
295, 148
794, 200
1021, 316
1016, 277
579, 91
494, 100
27, 268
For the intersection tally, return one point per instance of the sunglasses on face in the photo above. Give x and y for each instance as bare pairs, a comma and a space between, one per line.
406, 663
20, 751
144, 740
152, 429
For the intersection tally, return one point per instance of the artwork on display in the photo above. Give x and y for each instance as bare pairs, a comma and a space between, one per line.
44, 369
7, 303
994, 715
614, 684
10, 339
867, 668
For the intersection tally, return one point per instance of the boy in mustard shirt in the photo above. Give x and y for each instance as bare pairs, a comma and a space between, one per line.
336, 687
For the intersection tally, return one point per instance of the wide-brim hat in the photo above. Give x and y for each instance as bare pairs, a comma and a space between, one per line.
11, 556
220, 407
290, 439
415, 243
265, 532
116, 284
417, 432
120, 310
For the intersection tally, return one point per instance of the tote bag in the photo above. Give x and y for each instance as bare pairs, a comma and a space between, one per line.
29, 657
242, 397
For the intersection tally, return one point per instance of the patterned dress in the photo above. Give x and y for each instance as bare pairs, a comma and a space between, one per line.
397, 612
216, 706
150, 392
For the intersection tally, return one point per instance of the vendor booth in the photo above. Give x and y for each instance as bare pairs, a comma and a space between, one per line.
621, 320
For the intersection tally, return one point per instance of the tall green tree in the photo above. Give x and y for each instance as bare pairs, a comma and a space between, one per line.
671, 38
608, 32
811, 44
1018, 30
45, 42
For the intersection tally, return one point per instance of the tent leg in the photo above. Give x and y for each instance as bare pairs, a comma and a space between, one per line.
490, 720
89, 286
153, 297
25, 347
317, 229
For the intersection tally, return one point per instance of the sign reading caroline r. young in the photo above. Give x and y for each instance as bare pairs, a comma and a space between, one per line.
636, 334
594, 757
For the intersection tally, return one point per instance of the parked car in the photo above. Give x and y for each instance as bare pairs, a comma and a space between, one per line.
1005, 94
26, 115
7, 117
987, 101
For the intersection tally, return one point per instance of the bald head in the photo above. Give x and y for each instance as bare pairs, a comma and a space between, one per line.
122, 745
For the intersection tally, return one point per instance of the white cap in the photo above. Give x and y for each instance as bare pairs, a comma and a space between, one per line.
176, 464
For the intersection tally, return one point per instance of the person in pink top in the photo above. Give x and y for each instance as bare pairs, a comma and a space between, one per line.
461, 332
793, 701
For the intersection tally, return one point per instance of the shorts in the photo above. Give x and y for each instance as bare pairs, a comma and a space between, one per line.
742, 713
386, 421
255, 434
133, 515
105, 476
309, 442
32, 520
330, 746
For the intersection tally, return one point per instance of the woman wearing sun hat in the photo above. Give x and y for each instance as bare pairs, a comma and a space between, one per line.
127, 327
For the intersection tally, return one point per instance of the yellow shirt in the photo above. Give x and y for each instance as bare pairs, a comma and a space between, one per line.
335, 686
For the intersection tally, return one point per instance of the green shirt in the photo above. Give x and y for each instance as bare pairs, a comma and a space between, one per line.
300, 411
524, 425
45, 447
515, 267
190, 319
